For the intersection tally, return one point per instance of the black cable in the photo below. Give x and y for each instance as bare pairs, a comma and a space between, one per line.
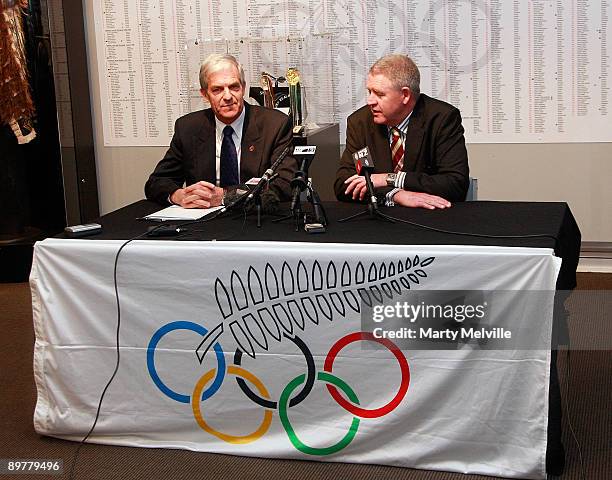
189, 233
118, 356
204, 219
231, 237
239, 201
478, 235
117, 344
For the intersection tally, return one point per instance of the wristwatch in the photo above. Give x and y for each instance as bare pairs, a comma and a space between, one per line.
391, 179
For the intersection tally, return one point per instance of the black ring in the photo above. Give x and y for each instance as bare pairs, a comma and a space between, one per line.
301, 396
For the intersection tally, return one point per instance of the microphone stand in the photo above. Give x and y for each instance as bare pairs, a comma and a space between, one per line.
299, 215
372, 204
296, 211
298, 184
258, 209
319, 211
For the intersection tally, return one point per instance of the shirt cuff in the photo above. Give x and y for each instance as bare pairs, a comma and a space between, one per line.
399, 179
170, 202
389, 197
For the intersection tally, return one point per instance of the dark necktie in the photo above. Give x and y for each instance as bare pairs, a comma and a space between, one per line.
229, 159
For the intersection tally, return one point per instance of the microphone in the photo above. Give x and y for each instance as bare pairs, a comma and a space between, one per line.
270, 203
265, 178
364, 164
306, 154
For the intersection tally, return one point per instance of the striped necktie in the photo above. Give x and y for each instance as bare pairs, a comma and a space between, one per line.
397, 150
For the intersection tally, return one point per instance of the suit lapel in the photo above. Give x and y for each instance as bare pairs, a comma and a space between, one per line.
251, 146
378, 142
205, 147
414, 137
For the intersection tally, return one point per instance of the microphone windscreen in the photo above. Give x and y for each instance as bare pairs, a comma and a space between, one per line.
270, 202
234, 193
363, 160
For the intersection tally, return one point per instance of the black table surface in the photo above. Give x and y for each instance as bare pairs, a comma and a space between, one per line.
517, 224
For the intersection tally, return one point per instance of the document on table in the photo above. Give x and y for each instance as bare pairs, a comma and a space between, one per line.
174, 212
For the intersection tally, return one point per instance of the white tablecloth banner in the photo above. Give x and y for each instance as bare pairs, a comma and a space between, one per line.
254, 348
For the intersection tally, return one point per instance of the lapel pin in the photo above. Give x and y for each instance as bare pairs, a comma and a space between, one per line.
251, 148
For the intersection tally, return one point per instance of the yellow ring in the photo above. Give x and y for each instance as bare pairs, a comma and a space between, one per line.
197, 413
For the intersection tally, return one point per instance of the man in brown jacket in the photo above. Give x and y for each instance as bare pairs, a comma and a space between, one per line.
416, 142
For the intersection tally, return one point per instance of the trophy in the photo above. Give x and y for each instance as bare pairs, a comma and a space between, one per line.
295, 97
267, 85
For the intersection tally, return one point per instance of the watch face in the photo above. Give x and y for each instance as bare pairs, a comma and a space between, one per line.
391, 179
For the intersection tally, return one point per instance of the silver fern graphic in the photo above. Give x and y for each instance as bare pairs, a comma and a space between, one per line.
261, 310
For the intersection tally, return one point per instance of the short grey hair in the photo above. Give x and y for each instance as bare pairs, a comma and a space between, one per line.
216, 61
401, 70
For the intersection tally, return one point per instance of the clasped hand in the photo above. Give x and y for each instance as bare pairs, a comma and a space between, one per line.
357, 188
199, 195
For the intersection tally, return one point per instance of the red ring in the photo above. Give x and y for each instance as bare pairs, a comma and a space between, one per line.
364, 412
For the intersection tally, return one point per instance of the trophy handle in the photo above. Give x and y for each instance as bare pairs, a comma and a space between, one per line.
268, 89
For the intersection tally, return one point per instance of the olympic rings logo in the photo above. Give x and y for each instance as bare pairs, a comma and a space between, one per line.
255, 390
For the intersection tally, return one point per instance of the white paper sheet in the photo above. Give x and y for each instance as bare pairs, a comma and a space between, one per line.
174, 212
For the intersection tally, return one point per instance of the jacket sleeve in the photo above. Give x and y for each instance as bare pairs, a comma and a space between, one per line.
449, 177
169, 174
355, 139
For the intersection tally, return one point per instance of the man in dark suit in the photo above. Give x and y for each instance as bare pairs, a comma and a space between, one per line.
225, 145
416, 142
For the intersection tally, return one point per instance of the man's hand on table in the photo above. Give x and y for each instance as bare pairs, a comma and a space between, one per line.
357, 187
407, 198
199, 195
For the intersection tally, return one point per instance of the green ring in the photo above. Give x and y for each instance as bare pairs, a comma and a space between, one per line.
282, 411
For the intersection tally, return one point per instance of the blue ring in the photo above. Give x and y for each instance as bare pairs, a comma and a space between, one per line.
194, 327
